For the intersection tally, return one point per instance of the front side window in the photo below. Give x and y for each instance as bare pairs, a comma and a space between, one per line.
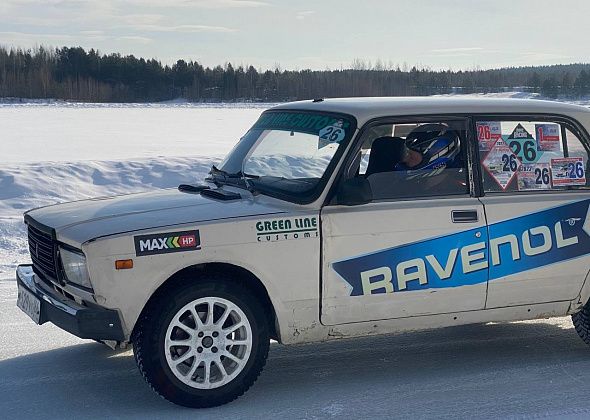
414, 159
529, 155
290, 154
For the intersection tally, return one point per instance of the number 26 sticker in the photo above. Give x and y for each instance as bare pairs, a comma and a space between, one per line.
332, 134
534, 177
568, 171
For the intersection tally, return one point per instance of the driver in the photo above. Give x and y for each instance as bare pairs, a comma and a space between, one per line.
429, 148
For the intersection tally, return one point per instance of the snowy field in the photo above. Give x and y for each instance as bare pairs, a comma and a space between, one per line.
55, 152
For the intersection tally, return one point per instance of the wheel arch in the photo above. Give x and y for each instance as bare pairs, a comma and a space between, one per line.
236, 273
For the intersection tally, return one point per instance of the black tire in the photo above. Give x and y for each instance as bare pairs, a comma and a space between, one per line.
581, 322
150, 332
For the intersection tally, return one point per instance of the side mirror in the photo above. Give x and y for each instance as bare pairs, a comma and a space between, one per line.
354, 191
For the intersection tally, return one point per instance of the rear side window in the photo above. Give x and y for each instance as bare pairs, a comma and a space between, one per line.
529, 155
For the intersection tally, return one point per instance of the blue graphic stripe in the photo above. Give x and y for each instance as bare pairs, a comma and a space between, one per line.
513, 246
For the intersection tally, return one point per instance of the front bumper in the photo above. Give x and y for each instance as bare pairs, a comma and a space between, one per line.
82, 321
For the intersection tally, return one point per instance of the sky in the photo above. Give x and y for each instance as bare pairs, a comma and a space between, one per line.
301, 34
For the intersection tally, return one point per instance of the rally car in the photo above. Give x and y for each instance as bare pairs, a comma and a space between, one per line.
329, 219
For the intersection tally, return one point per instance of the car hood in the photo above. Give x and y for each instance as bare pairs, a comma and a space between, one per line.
81, 221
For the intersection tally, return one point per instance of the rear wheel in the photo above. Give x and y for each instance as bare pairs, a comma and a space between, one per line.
581, 322
202, 345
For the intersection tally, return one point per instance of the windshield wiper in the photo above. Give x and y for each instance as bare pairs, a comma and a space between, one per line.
216, 171
218, 175
249, 185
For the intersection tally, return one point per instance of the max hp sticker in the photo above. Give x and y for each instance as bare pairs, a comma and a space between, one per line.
165, 243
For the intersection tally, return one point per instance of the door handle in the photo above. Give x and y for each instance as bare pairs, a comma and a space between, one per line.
464, 216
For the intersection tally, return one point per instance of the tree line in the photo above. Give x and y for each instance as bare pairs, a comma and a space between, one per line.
79, 75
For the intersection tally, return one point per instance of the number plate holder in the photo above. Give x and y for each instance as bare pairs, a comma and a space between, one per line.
29, 304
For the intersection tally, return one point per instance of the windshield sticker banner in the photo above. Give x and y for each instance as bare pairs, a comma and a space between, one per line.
301, 122
534, 177
165, 243
568, 171
548, 137
505, 248
488, 133
274, 230
501, 163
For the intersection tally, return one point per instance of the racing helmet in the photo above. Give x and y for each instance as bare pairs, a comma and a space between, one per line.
437, 143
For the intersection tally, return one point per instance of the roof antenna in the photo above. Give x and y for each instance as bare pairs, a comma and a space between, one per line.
318, 100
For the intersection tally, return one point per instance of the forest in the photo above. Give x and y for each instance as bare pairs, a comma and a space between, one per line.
74, 74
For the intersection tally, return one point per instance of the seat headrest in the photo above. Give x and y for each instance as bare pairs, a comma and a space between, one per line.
386, 153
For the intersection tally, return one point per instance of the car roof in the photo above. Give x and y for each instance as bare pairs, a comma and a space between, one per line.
366, 108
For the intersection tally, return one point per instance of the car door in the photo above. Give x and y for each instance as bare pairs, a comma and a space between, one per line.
536, 201
418, 247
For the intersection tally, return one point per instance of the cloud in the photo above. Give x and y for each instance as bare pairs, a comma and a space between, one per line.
92, 33
456, 50
302, 15
183, 28
19, 37
200, 4
134, 38
22, 38
140, 19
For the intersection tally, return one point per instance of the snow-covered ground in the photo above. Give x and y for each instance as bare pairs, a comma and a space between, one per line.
534, 369
70, 132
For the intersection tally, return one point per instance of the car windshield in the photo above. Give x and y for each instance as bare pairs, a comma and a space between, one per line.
290, 154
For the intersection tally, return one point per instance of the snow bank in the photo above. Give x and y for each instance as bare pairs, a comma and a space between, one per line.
29, 185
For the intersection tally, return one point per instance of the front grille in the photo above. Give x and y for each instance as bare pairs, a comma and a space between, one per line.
43, 253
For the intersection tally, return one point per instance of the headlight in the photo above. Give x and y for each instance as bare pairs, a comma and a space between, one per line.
74, 265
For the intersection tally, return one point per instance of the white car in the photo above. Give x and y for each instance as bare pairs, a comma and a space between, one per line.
329, 219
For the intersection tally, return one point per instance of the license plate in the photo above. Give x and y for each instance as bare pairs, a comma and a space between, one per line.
29, 304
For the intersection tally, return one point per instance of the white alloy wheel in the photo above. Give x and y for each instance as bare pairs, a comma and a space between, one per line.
208, 343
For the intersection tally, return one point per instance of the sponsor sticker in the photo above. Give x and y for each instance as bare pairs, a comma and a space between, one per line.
568, 171
331, 134
501, 163
524, 145
165, 243
488, 133
473, 256
302, 122
548, 137
534, 177
274, 230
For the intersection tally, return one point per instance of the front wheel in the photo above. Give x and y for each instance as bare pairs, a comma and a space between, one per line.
202, 345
